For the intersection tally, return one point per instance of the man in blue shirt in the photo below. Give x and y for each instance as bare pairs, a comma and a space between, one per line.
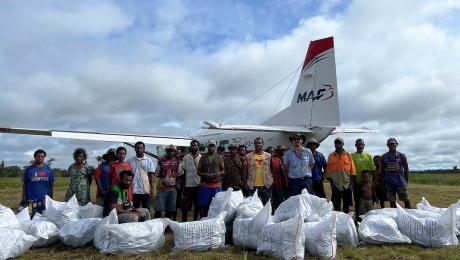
37, 183
299, 161
319, 168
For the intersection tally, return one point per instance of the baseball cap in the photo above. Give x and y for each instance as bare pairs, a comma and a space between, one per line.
170, 147
338, 139
212, 142
392, 141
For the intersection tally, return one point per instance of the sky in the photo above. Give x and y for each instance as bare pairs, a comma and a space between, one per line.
162, 67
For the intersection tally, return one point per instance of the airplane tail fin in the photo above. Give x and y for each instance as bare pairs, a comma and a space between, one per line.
315, 101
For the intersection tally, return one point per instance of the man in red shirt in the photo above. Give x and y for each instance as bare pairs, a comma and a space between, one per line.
119, 166
279, 179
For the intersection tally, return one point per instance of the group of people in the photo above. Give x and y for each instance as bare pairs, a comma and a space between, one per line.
191, 181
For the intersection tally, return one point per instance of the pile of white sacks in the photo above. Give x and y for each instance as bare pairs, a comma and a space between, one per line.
302, 224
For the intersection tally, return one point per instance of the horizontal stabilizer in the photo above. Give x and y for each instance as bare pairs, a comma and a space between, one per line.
343, 130
109, 137
258, 128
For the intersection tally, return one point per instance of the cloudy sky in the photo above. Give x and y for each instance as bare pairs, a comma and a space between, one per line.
162, 67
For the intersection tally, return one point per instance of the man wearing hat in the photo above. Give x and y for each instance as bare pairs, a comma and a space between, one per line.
102, 176
233, 170
168, 169
396, 174
317, 172
299, 161
363, 161
210, 169
340, 169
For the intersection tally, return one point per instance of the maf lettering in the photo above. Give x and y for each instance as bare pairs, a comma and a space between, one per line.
321, 95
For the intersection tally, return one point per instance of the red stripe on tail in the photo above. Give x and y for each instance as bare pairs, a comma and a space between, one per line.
317, 47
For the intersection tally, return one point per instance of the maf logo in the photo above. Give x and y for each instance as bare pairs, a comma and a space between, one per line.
322, 94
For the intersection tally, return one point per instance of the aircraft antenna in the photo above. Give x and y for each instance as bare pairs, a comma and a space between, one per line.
263, 93
286, 89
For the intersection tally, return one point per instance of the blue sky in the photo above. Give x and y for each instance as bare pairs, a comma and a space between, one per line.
165, 66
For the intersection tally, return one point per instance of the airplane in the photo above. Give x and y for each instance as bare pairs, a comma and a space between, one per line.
313, 112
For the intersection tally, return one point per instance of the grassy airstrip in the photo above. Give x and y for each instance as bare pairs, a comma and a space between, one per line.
441, 190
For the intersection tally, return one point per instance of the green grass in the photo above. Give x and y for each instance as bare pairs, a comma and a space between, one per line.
436, 179
437, 195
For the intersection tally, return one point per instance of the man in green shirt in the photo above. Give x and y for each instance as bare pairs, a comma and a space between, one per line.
362, 161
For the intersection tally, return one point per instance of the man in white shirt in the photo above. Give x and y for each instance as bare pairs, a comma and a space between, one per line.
192, 181
143, 169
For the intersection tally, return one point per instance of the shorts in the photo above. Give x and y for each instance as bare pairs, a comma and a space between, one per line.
166, 201
206, 194
403, 195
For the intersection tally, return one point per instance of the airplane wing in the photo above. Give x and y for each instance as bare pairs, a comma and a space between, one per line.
343, 130
109, 137
257, 128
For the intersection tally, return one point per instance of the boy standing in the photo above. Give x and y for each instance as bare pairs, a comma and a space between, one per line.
366, 194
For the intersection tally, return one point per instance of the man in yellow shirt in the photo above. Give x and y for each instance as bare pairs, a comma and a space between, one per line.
257, 174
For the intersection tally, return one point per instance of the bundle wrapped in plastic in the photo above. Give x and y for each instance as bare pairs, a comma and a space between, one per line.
347, 234
285, 240
46, 232
247, 230
250, 206
227, 201
129, 238
80, 232
8, 219
379, 229
199, 235
429, 232
61, 213
310, 207
90, 210
14, 242
321, 237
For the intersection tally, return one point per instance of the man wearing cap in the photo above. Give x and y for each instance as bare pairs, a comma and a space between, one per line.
300, 162
102, 176
362, 161
257, 175
168, 169
192, 181
280, 179
340, 169
395, 170
233, 170
143, 170
318, 169
210, 169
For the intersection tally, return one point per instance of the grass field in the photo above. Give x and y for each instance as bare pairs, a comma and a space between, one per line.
440, 190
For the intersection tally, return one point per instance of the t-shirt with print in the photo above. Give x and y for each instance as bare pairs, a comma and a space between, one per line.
167, 171
38, 181
122, 196
259, 168
103, 175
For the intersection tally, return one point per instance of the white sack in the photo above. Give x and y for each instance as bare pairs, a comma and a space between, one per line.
250, 207
199, 235
284, 240
46, 232
387, 212
23, 215
346, 229
102, 234
8, 218
321, 237
427, 231
379, 229
310, 207
61, 213
426, 206
228, 201
79, 232
90, 210
14, 242
247, 230
134, 238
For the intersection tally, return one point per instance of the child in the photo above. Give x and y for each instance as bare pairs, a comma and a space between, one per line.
379, 185
366, 194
